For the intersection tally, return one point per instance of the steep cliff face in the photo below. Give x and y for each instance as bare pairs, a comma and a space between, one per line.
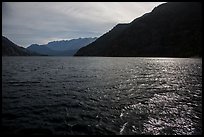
171, 30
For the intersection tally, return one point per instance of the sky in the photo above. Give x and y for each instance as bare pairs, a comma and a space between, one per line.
27, 23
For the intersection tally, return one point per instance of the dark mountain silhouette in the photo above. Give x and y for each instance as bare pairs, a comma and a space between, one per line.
172, 29
11, 49
61, 48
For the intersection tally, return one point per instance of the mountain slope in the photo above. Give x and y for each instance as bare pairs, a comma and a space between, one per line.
61, 48
100, 46
171, 30
11, 49
72, 44
41, 49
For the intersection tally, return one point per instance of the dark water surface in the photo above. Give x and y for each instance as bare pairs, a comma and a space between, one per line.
93, 95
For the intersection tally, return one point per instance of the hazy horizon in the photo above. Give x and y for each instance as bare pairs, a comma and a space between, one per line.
27, 23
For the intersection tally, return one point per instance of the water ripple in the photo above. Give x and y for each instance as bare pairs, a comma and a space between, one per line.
101, 96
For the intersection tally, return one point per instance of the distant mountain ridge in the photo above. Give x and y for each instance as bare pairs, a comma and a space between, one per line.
72, 44
172, 29
61, 48
11, 49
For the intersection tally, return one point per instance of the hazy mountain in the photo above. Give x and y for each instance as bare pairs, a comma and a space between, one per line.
11, 49
172, 29
73, 44
41, 49
61, 48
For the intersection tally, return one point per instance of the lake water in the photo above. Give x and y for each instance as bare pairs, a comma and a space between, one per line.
101, 95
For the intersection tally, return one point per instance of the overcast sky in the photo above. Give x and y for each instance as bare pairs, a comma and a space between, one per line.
27, 23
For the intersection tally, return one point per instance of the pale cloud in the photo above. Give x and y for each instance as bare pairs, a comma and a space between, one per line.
40, 22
